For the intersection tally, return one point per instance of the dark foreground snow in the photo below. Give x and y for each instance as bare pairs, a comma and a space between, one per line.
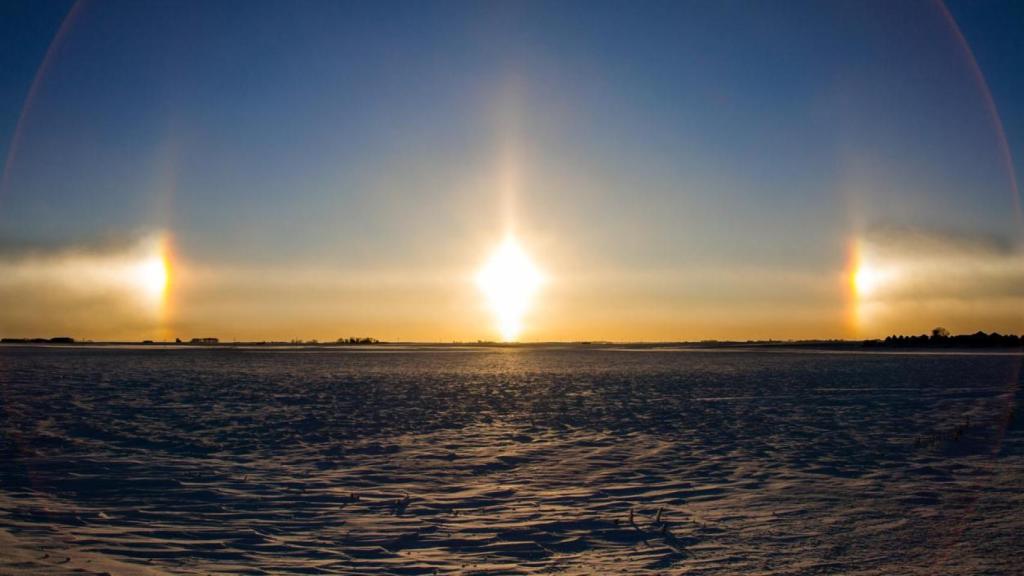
535, 460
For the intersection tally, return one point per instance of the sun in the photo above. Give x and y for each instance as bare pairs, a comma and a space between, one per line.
509, 281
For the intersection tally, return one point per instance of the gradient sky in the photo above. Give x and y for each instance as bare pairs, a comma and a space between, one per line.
677, 170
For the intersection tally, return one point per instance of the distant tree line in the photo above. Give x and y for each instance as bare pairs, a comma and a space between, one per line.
358, 340
55, 340
941, 338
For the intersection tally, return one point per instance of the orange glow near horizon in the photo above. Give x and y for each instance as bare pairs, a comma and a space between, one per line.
509, 281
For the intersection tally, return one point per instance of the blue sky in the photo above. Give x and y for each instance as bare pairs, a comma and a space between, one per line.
650, 138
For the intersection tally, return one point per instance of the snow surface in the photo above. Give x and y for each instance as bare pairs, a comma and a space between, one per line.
504, 461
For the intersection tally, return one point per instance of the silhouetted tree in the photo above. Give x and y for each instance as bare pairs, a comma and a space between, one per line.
940, 337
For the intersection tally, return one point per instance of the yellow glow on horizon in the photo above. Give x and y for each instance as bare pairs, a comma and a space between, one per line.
509, 281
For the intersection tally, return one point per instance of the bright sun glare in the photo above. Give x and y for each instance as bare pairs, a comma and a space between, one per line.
151, 274
866, 280
509, 280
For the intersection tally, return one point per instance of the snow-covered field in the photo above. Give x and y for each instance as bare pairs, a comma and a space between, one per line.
532, 460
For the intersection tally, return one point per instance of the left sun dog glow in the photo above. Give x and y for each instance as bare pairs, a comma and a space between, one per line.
140, 274
151, 275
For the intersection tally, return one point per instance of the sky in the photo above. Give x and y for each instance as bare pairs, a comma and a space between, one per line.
671, 170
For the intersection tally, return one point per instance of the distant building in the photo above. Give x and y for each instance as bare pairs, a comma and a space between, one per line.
205, 341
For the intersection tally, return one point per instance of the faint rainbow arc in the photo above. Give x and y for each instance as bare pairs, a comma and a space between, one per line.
854, 314
1013, 383
30, 96
1006, 156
